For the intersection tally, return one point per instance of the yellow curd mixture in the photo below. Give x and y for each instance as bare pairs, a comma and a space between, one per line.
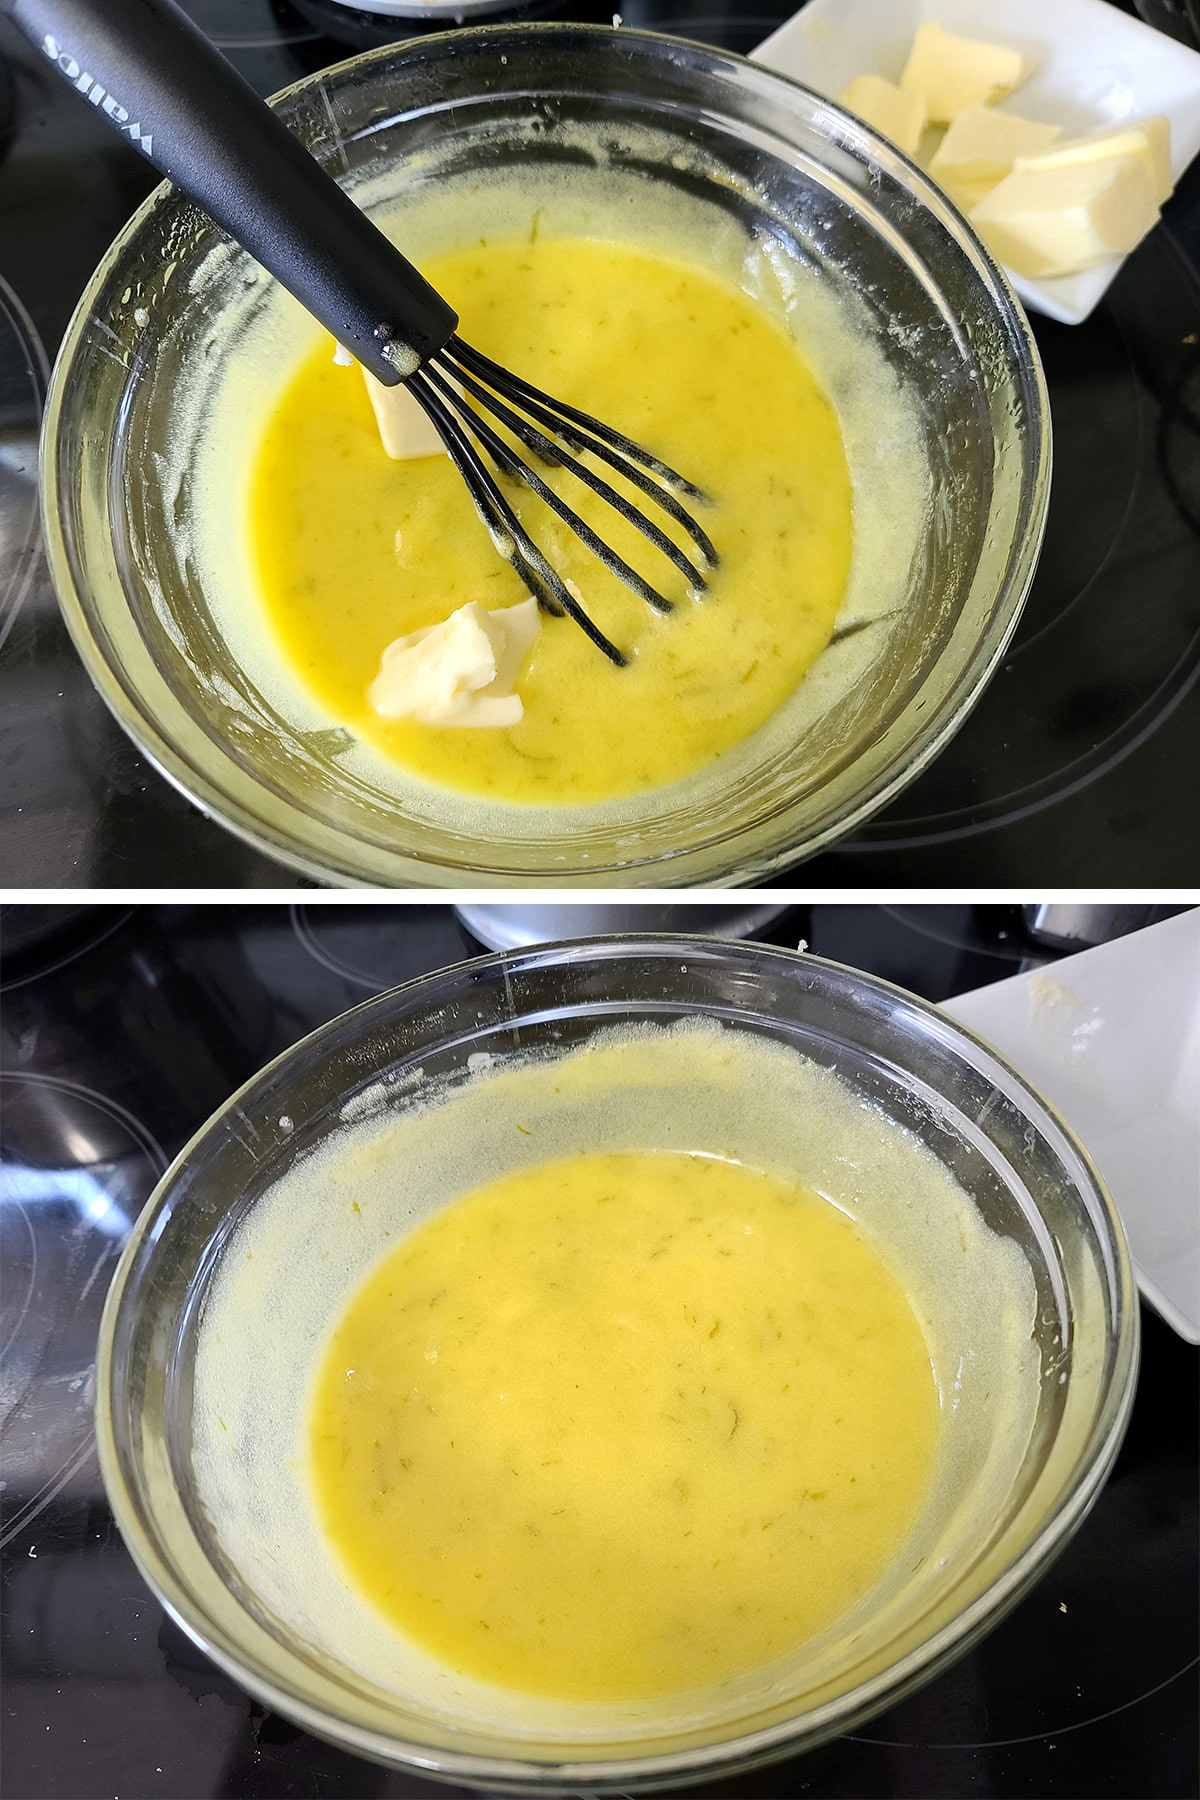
355, 550
622, 1425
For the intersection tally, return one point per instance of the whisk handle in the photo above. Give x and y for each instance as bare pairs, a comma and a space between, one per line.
154, 75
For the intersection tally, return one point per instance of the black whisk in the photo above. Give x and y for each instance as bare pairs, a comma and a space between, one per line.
143, 65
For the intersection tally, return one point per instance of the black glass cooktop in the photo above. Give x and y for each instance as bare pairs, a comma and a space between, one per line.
1078, 766
120, 1030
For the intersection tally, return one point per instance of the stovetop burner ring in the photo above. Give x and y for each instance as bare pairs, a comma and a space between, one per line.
24, 376
71, 1192
1032, 1737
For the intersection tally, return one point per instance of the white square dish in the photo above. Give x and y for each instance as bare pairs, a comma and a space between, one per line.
1111, 1037
1095, 67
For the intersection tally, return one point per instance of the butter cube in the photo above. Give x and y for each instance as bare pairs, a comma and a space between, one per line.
1149, 139
900, 117
1046, 222
405, 428
951, 73
980, 148
461, 672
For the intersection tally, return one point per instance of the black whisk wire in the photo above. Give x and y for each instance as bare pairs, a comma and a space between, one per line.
507, 533
511, 465
549, 452
446, 384
579, 431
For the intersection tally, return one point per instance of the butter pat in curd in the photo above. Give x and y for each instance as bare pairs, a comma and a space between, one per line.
951, 73
405, 429
461, 672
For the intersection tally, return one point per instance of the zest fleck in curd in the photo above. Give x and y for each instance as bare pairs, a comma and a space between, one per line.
355, 550
617, 1426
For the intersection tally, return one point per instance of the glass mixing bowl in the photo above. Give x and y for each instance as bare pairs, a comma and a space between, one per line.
998, 1140
786, 169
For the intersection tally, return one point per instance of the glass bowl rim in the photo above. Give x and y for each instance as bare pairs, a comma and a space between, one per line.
738, 1752
198, 779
